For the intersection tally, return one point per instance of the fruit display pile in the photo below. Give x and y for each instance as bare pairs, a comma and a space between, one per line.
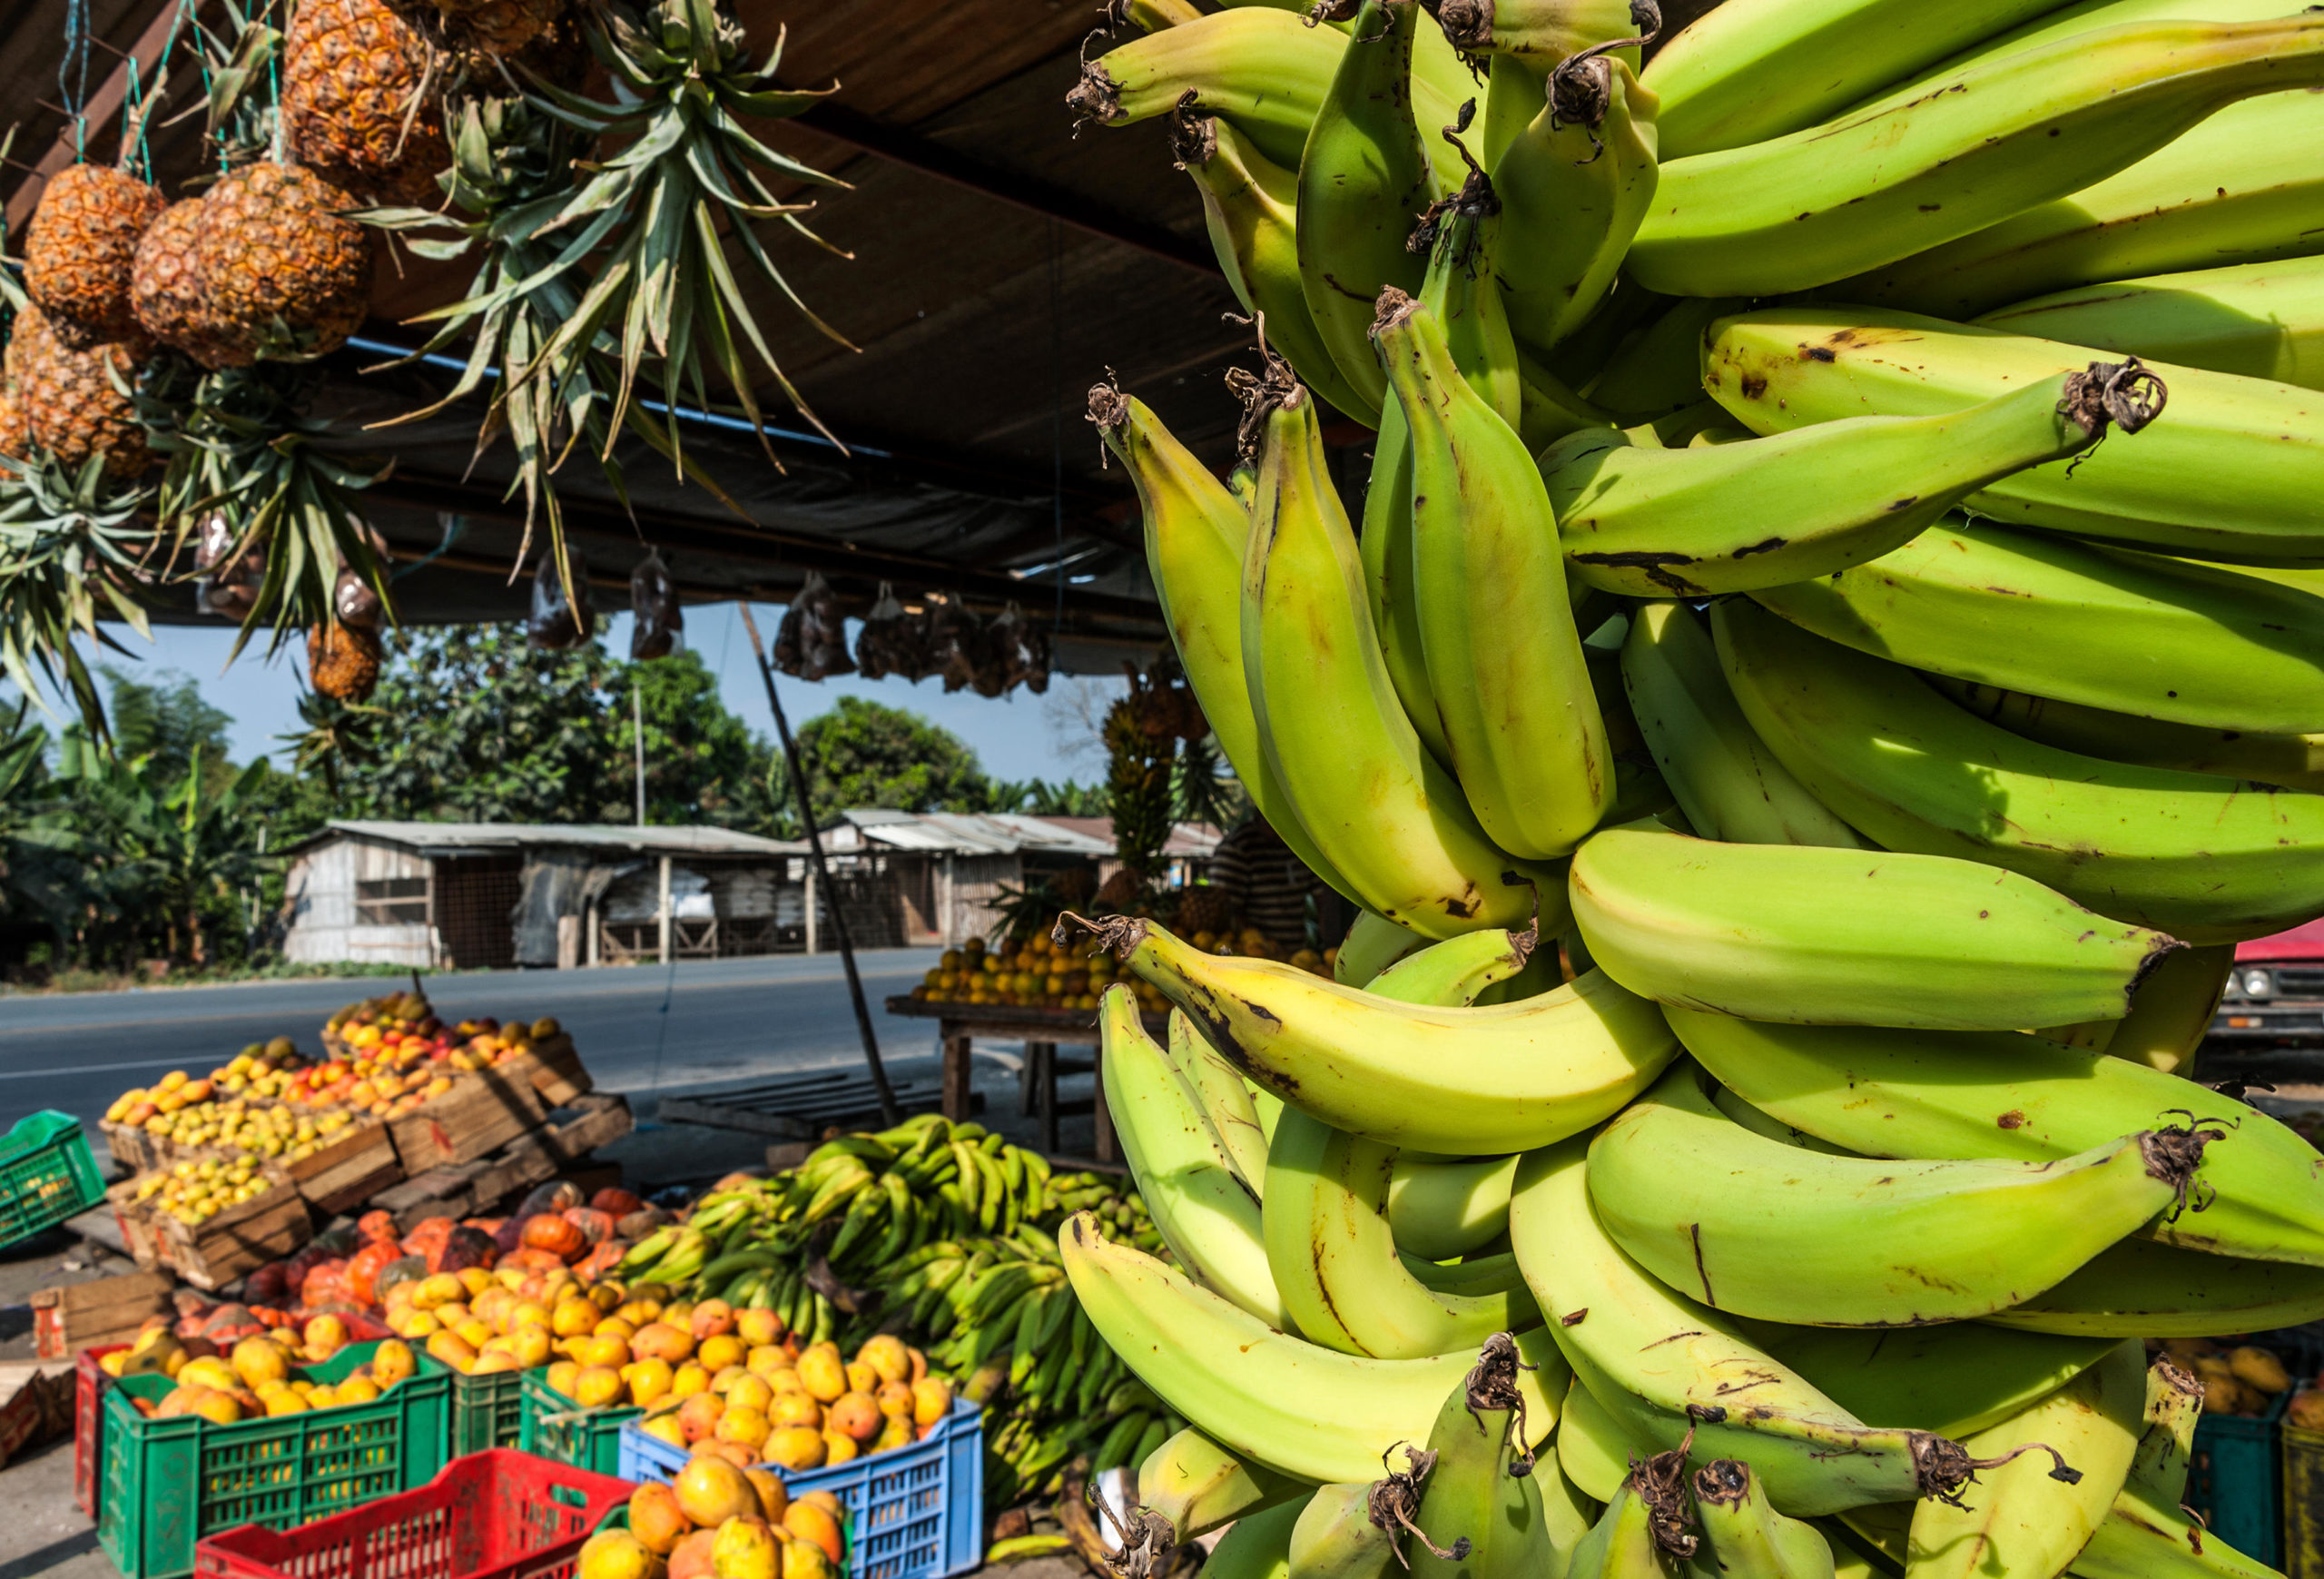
195, 1189
714, 1520
801, 1408
943, 1233
261, 1376
1835, 559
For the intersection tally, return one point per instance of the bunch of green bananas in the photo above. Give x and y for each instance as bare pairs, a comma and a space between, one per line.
1837, 570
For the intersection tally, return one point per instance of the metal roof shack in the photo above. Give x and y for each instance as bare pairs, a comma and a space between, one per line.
454, 839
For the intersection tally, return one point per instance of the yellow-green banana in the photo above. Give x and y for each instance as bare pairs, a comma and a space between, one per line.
1451, 974
1295, 1406
2001, 1094
1373, 944
2171, 1016
1452, 1081
1333, 1258
2259, 320
2175, 1403
1250, 207
1264, 70
1462, 235
1575, 185
1996, 139
1743, 1537
1386, 817
1656, 372
2140, 1288
1752, 1226
1223, 1098
2032, 1513
1591, 1450
2292, 761
1196, 534
1756, 513
1337, 1537
2150, 1537
2105, 627
2204, 859
1749, 70
1954, 1378
1724, 778
2234, 190
1807, 936
1198, 1485
2259, 446
1439, 1210
1495, 622
1485, 1507
1667, 1370
1626, 1541
2056, 23
1259, 1546
1540, 34
1204, 1211
1363, 180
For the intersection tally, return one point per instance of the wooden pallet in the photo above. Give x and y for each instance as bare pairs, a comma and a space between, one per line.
81, 1316
484, 1110
469, 1188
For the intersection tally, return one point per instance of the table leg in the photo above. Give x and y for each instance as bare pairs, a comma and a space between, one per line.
956, 1073
1101, 1136
1041, 1058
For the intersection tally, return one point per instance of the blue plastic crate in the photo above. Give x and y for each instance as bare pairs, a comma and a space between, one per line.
913, 1513
47, 1174
2235, 1481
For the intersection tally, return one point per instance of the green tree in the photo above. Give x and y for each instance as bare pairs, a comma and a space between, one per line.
861, 753
40, 850
166, 721
174, 863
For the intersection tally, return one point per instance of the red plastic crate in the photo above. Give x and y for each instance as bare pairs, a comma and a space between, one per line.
496, 1515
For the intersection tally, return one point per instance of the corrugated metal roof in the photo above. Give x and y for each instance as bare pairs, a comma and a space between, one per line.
1000, 833
459, 837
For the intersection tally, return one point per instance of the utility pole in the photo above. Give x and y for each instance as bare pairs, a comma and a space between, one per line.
889, 1113
638, 736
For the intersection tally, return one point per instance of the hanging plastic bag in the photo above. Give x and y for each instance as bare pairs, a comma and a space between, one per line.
958, 645
655, 618
811, 641
356, 602
1023, 649
556, 624
228, 589
892, 642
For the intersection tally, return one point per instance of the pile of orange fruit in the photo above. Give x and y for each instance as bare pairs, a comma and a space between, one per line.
716, 1521
259, 1377
799, 1408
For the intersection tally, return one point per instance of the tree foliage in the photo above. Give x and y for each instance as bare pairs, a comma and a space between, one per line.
861, 753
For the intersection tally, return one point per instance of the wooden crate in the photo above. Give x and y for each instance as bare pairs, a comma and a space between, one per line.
131, 1147
81, 1316
138, 1239
348, 1171
468, 1188
484, 1110
213, 1253
556, 1071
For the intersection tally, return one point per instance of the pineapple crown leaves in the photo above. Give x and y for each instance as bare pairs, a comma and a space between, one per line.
70, 539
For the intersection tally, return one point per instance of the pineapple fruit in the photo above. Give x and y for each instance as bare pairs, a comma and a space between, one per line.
83, 235
165, 287
65, 385
361, 102
16, 434
343, 661
286, 274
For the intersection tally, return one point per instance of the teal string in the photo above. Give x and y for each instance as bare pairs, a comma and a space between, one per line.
73, 72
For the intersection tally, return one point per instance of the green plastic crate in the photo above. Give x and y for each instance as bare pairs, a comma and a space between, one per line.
47, 1174
556, 1427
486, 1410
169, 1483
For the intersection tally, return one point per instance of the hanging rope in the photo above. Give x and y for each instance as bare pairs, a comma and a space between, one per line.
73, 72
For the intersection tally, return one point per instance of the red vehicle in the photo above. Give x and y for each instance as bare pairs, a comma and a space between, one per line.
2275, 995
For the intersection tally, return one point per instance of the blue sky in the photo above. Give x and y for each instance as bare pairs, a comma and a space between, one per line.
1018, 736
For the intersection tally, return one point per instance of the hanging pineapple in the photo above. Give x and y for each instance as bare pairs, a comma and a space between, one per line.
83, 235
1141, 735
360, 100
165, 287
76, 393
289, 275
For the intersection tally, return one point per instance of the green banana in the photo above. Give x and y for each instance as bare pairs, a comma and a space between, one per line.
1592, 1453
1520, 719
1207, 1215
1198, 1485
1754, 513
1249, 205
1451, 973
1259, 1547
1754, 1227
2027, 611
1385, 550
1337, 1537
2003, 1095
1728, 783
1461, 235
1438, 1211
1386, 816
2290, 761
1750, 70
1196, 537
1453, 1081
2056, 23
1373, 943
2140, 1288
1669, 1371
1264, 72
1298, 1408
1637, 1535
2233, 190
2257, 321
2148, 1538
2204, 859
2259, 446
1772, 1129
1333, 1259
1363, 178
1542, 34
1954, 1378
2033, 1512
1655, 374
1996, 139
2171, 1016
2174, 1402
1575, 184
1743, 1537
1223, 1098
1483, 1502
1806, 934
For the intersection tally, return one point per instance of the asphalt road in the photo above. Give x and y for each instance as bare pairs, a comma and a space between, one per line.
726, 1021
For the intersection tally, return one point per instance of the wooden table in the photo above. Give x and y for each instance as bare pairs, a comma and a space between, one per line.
1040, 1030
